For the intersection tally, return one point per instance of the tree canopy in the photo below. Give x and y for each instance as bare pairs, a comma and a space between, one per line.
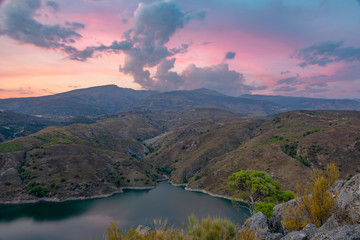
253, 187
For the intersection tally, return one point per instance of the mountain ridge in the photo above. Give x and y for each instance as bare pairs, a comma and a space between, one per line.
110, 99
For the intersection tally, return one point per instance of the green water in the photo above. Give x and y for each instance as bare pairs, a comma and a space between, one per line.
87, 219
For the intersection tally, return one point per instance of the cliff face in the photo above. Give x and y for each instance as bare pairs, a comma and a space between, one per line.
343, 224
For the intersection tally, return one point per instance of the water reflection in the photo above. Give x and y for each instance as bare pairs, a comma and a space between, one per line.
69, 220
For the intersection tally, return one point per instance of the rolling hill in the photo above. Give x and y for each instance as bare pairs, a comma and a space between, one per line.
287, 146
200, 147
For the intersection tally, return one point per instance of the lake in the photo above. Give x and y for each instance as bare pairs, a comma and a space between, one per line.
87, 219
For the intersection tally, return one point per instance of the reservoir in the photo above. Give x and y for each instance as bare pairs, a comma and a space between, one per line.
87, 219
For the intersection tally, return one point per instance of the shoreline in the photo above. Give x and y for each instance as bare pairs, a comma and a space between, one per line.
57, 200
121, 190
205, 192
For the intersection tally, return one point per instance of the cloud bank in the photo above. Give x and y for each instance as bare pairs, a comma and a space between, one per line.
322, 54
144, 47
18, 21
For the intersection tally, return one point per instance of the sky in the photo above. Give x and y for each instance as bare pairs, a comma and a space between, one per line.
307, 48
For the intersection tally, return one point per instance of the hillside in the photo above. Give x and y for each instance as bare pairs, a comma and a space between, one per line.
199, 147
302, 103
13, 125
183, 100
92, 101
84, 160
287, 146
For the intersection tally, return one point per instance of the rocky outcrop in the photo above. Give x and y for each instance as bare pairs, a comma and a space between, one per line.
344, 224
348, 232
348, 202
259, 224
275, 220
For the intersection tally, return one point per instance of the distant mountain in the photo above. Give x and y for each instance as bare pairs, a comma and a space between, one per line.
182, 100
92, 101
110, 99
302, 103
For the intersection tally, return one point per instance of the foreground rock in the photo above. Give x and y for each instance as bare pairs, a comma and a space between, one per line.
344, 224
348, 202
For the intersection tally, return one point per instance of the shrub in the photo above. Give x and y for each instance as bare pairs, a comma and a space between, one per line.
117, 183
210, 229
315, 204
37, 190
206, 229
265, 208
246, 234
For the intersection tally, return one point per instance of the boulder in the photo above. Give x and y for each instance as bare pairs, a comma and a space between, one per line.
295, 235
275, 220
259, 224
274, 236
143, 230
330, 224
348, 202
310, 230
348, 232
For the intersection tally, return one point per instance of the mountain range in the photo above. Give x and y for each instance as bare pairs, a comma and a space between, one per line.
109, 99
94, 142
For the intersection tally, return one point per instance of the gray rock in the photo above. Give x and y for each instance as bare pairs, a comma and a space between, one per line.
143, 230
295, 235
274, 236
275, 220
337, 186
347, 232
258, 223
310, 230
348, 202
330, 224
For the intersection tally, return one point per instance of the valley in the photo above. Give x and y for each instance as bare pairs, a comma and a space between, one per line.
199, 147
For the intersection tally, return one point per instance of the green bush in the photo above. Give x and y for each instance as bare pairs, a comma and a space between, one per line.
265, 208
37, 189
117, 183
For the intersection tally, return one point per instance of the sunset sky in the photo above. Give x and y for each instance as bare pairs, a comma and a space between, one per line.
278, 47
